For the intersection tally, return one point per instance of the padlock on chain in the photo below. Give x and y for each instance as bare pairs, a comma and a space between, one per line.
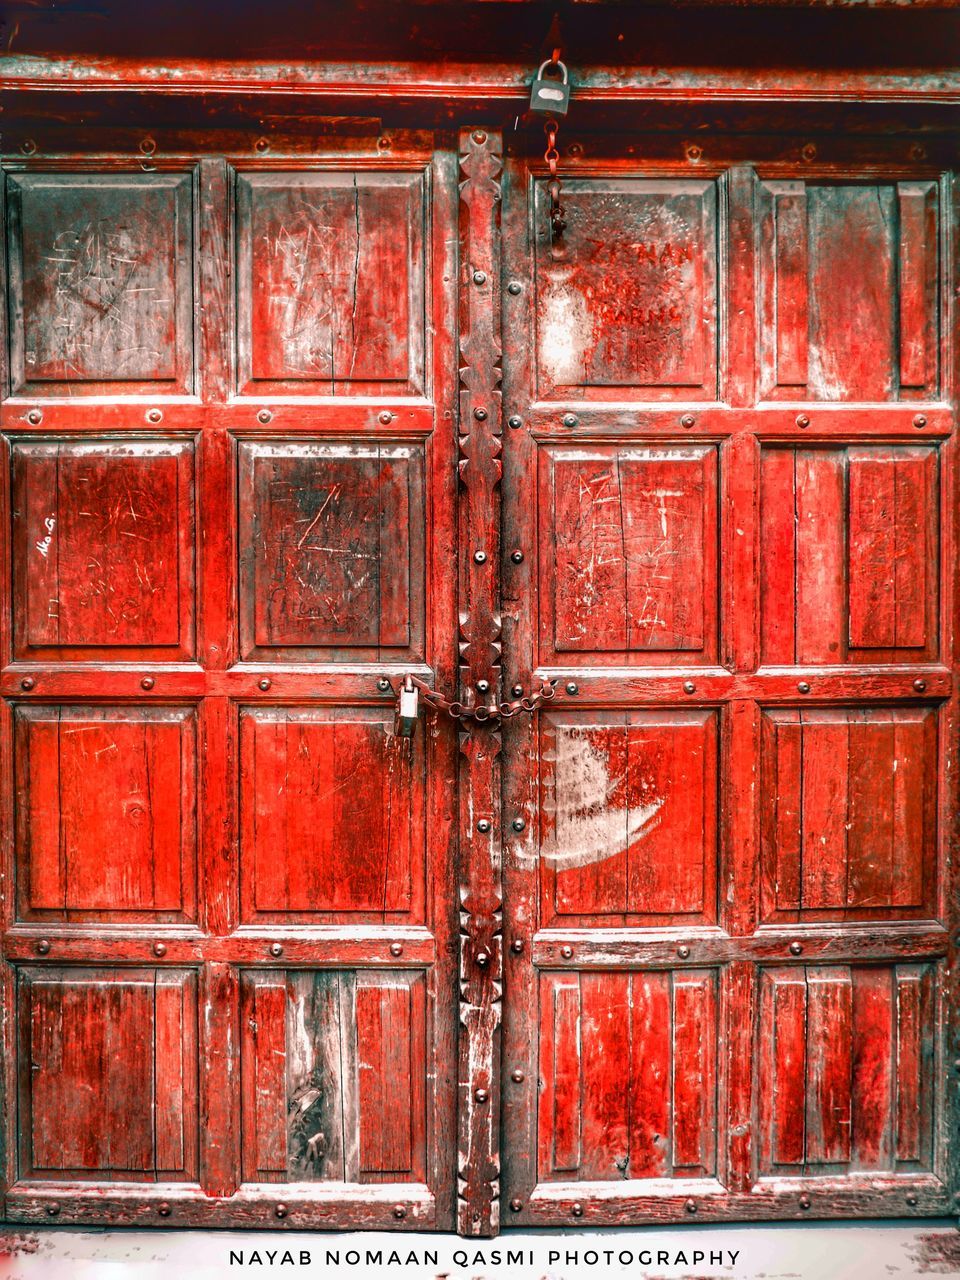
550, 95
405, 719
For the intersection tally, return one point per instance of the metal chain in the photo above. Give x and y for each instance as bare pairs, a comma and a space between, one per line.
558, 221
495, 711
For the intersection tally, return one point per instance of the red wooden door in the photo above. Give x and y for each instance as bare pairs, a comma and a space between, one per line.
730, 483
227, 936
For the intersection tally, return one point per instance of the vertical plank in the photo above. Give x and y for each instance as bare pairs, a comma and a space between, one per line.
917, 283
649, 1081
270, 1074
909, 1057
829, 1009
912, 501
740, 371
821, 585
872, 540
871, 781
790, 218
778, 556
169, 1072
786, 1083
694, 1073
825, 780
384, 1063
871, 1088
787, 791
605, 1053
314, 1084
567, 1078
590, 579
912, 754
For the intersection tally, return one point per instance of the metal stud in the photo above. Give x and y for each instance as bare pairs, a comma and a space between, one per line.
27, 683
517, 1076
691, 1206
163, 1209
148, 146
689, 686
147, 682
383, 684
577, 1210
516, 1206
516, 557
919, 421
159, 948
35, 417
518, 824
480, 557
276, 949
483, 686
154, 415
264, 416
804, 1202
567, 952
481, 1095
796, 948
809, 151
28, 146
479, 137
514, 287
479, 277
53, 1210
396, 948
570, 419
483, 959
281, 1211
803, 686
517, 690
480, 414
920, 685
262, 144
688, 421
514, 422
264, 684
399, 1211
43, 947
683, 952
483, 826
911, 1200
516, 946
385, 417
802, 420
572, 688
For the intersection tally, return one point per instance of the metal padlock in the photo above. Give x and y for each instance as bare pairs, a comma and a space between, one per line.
405, 720
550, 96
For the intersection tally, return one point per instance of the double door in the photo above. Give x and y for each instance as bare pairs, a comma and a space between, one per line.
284, 425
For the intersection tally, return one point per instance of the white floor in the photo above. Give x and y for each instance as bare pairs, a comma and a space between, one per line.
805, 1252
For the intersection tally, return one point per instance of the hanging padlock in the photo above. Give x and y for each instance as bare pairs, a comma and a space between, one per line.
551, 95
405, 720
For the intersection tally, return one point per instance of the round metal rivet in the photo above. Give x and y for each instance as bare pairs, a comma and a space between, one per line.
691, 1206
483, 826
956, 1065
919, 421
803, 686
479, 136
35, 417
689, 686
694, 153
383, 684
809, 152
154, 415
516, 946
569, 419
517, 690
480, 557
263, 684
683, 952
276, 949
483, 686
396, 948
483, 959
28, 146
577, 1210
281, 1211
517, 1077
52, 1210
383, 143
802, 420
43, 947
796, 948
163, 1210
514, 287
514, 422
688, 421
518, 824
911, 1200
262, 144
399, 1211
804, 1202
481, 1095
385, 416
27, 683
566, 952
516, 557
516, 1206
572, 688
148, 146
479, 277
159, 948
147, 682
264, 416
480, 414
920, 685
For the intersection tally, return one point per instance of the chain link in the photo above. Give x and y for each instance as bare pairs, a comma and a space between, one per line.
482, 714
558, 221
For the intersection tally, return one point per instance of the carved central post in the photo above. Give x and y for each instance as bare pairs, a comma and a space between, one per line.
480, 882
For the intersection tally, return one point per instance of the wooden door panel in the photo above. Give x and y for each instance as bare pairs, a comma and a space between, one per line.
849, 827
101, 273
628, 1064
332, 552
331, 283
846, 1069
628, 563
626, 307
628, 814
849, 562
108, 1074
103, 549
877, 337
107, 820
332, 816
323, 1057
